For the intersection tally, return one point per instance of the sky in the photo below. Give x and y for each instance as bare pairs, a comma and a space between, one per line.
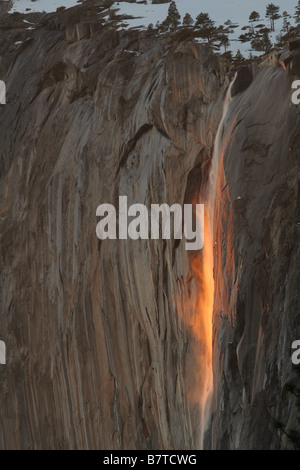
237, 11
41, 5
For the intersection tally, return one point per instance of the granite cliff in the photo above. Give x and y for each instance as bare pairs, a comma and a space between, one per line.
105, 339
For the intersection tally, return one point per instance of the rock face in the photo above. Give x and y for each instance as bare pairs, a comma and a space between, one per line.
242, 80
98, 353
257, 260
102, 338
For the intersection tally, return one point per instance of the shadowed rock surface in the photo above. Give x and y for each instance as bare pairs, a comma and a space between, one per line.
257, 261
99, 355
243, 79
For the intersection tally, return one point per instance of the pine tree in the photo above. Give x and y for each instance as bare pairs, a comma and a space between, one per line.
266, 42
272, 12
173, 19
286, 23
238, 58
204, 21
255, 16
187, 21
224, 41
257, 43
286, 15
113, 19
204, 27
297, 13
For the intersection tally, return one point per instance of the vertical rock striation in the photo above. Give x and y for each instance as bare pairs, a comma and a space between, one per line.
99, 355
257, 261
104, 339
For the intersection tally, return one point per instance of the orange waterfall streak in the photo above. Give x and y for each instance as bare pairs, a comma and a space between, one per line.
202, 268
207, 303
197, 309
